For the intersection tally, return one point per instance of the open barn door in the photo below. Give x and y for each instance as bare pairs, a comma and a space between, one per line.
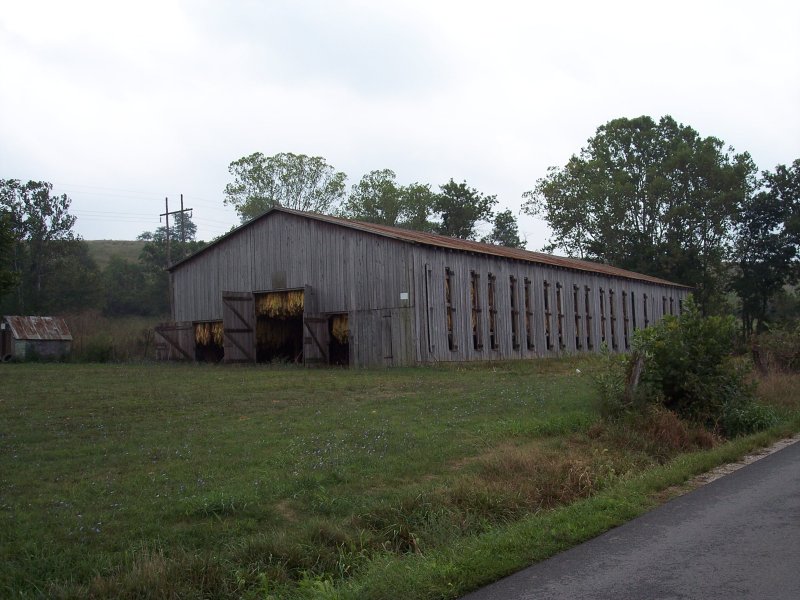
175, 341
239, 326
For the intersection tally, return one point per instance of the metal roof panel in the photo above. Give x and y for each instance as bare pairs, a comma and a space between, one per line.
38, 328
441, 241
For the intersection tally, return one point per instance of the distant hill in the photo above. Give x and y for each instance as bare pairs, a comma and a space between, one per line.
102, 250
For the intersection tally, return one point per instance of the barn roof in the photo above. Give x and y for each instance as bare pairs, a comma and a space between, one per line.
449, 243
38, 328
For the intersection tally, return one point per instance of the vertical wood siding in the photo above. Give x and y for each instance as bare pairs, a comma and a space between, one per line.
348, 271
462, 264
364, 275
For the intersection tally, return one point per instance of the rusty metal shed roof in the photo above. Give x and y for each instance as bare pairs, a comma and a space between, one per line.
449, 243
38, 328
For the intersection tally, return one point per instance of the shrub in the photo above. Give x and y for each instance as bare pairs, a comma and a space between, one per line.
97, 350
655, 431
689, 368
609, 381
744, 418
779, 349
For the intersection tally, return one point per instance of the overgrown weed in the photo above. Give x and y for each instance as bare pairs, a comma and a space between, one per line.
100, 339
780, 389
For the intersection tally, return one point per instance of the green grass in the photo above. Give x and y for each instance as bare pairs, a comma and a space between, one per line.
101, 251
197, 481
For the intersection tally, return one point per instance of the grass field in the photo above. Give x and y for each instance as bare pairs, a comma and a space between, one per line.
199, 481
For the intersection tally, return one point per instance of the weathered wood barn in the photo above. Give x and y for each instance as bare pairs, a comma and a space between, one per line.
313, 288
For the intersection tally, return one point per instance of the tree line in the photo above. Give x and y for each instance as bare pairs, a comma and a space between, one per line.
309, 183
46, 269
650, 196
658, 198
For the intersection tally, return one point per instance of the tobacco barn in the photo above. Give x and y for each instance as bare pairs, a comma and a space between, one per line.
317, 289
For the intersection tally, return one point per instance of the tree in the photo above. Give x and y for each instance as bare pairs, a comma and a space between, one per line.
505, 231
460, 208
651, 197
767, 244
39, 222
128, 290
419, 202
8, 278
375, 199
182, 234
153, 259
294, 181
72, 280
378, 199
784, 184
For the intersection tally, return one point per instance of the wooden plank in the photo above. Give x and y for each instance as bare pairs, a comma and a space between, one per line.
174, 335
308, 325
386, 339
239, 324
316, 339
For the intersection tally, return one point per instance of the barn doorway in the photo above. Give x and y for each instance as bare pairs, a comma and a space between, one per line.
208, 342
339, 333
279, 326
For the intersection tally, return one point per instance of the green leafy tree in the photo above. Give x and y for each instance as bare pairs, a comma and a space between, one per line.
419, 202
40, 222
182, 243
375, 199
784, 184
460, 208
505, 231
294, 181
128, 291
73, 281
651, 197
8, 278
378, 199
766, 244
154, 261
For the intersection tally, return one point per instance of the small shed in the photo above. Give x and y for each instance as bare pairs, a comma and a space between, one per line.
29, 337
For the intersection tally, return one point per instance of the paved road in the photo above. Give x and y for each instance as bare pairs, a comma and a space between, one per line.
737, 537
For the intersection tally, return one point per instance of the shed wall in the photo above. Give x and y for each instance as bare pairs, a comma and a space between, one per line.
49, 349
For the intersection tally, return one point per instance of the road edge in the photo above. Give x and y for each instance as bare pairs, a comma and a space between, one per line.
728, 468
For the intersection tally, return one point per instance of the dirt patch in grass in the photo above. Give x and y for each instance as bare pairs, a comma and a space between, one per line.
284, 509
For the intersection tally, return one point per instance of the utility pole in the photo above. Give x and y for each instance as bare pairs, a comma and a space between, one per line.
183, 229
166, 215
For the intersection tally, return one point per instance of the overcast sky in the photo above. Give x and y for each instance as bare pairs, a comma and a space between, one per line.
121, 104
